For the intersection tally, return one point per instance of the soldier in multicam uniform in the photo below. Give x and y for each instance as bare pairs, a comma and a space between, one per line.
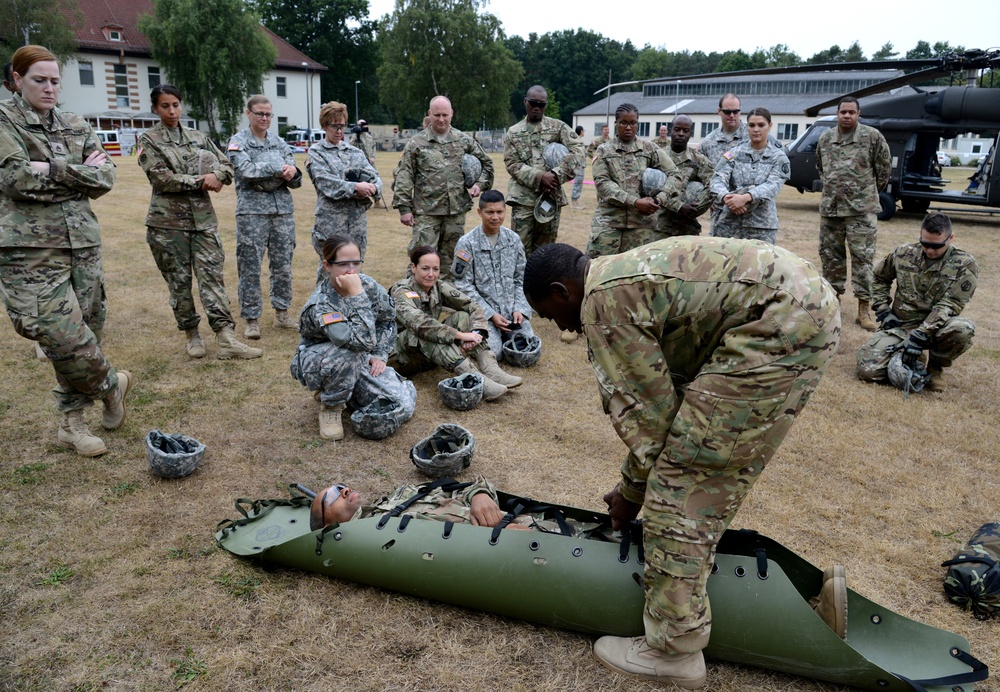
746, 184
854, 163
489, 268
625, 218
265, 215
934, 282
694, 173
530, 177
426, 338
429, 190
183, 166
51, 279
348, 328
578, 175
473, 503
705, 350
362, 139
663, 140
345, 184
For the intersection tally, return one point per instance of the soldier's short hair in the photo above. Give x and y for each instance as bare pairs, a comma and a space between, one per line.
848, 99
937, 223
255, 100
730, 95
333, 245
419, 252
551, 263
625, 108
490, 197
26, 56
161, 89
332, 111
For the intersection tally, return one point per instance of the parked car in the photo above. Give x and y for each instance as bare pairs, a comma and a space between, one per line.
943, 159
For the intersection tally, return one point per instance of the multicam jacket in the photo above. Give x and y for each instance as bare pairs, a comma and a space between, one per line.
429, 177
522, 156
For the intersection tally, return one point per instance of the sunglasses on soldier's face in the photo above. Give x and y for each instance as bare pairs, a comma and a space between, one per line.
537, 104
933, 246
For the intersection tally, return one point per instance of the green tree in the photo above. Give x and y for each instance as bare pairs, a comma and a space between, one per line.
736, 60
214, 51
921, 50
837, 54
886, 52
48, 23
449, 48
780, 55
338, 34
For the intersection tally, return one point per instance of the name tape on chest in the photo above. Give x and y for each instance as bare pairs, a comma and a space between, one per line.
332, 318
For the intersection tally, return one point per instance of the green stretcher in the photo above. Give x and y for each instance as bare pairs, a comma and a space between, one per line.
759, 589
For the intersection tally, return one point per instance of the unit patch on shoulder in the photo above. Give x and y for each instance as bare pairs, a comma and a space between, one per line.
332, 318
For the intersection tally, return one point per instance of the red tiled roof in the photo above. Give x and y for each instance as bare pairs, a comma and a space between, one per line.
124, 16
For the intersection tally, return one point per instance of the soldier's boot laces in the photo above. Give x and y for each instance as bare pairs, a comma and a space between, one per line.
252, 330
488, 365
633, 656
864, 316
74, 434
282, 320
228, 347
831, 603
491, 390
331, 426
114, 403
195, 346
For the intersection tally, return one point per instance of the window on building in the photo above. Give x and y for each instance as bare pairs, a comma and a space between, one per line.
121, 86
86, 74
597, 129
787, 131
113, 34
643, 130
708, 128
154, 76
281, 87
282, 121
656, 130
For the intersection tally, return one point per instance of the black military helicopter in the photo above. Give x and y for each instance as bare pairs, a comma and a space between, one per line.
913, 125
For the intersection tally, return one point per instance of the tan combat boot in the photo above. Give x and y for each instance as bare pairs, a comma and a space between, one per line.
228, 347
488, 365
39, 353
74, 434
937, 382
633, 656
831, 603
864, 316
491, 390
283, 321
331, 427
252, 330
195, 346
568, 337
114, 403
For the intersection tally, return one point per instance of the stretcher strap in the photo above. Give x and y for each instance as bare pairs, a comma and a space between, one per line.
980, 671
448, 485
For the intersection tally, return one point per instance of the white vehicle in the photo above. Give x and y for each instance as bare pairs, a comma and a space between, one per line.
304, 138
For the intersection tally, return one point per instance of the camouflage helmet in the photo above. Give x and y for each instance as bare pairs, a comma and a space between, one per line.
379, 419
909, 378
522, 350
693, 191
446, 452
462, 392
554, 154
173, 456
545, 208
653, 182
472, 168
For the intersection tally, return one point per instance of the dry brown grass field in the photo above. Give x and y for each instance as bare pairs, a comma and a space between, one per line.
111, 578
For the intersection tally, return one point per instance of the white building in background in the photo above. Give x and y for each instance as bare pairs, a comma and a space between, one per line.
109, 80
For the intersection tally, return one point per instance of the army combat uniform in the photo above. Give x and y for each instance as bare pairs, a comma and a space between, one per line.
424, 340
662, 142
181, 226
335, 170
339, 337
705, 350
51, 279
760, 173
617, 225
430, 185
930, 296
717, 143
853, 168
492, 274
265, 219
366, 143
522, 156
694, 174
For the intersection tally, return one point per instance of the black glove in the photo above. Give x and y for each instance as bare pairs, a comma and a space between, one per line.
913, 347
887, 320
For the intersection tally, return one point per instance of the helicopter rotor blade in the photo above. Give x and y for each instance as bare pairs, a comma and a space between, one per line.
887, 85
